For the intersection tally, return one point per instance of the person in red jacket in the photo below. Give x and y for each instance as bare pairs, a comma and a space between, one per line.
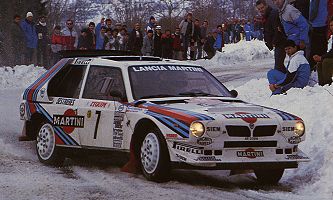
70, 36
167, 45
177, 45
57, 42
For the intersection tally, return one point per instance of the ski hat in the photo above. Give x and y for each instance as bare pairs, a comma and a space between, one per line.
151, 17
150, 31
158, 27
29, 14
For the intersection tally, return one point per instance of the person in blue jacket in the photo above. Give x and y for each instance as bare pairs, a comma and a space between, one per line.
31, 39
295, 25
100, 44
219, 43
248, 31
298, 71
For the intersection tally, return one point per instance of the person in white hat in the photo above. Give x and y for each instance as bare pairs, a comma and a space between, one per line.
157, 42
30, 35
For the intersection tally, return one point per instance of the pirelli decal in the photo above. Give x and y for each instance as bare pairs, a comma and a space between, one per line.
71, 121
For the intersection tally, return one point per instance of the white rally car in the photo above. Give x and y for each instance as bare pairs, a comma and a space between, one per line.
168, 114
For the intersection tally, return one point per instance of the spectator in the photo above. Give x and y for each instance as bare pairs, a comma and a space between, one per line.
167, 44
318, 33
148, 44
177, 45
103, 23
219, 43
298, 71
248, 31
151, 24
113, 41
226, 33
238, 30
123, 38
203, 37
70, 36
56, 44
43, 41
186, 29
325, 62
30, 35
101, 38
18, 41
195, 39
209, 45
107, 38
136, 39
84, 40
295, 25
273, 33
91, 35
157, 42
118, 27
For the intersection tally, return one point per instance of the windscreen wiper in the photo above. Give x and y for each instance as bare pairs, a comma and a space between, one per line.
198, 94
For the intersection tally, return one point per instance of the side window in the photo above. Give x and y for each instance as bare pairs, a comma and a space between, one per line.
67, 82
105, 83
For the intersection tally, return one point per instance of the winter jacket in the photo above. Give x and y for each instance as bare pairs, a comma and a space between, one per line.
318, 13
209, 45
135, 40
184, 27
158, 44
203, 32
294, 24
219, 43
84, 43
56, 43
298, 74
273, 29
100, 41
302, 6
112, 43
177, 42
150, 26
43, 38
167, 46
18, 40
148, 46
30, 33
71, 39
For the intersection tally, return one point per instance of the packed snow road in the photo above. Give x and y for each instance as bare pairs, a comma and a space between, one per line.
23, 177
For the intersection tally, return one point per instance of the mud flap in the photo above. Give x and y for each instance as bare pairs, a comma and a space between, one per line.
133, 165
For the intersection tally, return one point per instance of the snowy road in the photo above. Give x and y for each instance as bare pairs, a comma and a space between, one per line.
23, 177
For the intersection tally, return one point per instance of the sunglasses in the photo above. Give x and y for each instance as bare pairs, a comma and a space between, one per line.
69, 23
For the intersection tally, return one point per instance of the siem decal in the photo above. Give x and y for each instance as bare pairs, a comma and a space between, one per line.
294, 140
180, 157
204, 141
212, 129
247, 117
118, 134
65, 101
69, 121
250, 153
207, 158
288, 128
187, 148
97, 104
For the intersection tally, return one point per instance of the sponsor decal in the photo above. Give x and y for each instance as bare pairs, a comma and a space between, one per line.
207, 158
166, 68
251, 125
247, 117
180, 157
65, 101
69, 121
250, 153
133, 109
169, 135
88, 113
118, 134
204, 141
42, 92
22, 110
251, 138
121, 108
188, 148
288, 128
213, 129
82, 62
294, 140
295, 157
98, 104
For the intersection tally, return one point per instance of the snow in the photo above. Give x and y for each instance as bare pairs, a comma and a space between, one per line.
242, 67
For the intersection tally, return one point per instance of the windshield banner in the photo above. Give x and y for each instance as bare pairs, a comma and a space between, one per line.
166, 68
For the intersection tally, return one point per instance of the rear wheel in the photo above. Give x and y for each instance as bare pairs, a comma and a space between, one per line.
47, 151
154, 156
269, 176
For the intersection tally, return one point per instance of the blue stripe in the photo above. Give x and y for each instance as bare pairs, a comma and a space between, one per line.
182, 125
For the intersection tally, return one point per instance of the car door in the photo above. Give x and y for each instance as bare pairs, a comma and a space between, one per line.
102, 97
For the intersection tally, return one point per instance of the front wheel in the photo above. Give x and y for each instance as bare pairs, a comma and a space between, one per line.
154, 155
46, 148
269, 176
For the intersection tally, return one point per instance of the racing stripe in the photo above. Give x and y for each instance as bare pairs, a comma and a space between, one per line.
284, 115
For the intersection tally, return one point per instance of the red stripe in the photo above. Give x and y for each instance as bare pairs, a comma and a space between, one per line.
174, 114
58, 140
31, 91
32, 108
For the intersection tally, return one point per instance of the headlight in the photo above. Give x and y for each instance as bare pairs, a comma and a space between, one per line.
197, 129
299, 129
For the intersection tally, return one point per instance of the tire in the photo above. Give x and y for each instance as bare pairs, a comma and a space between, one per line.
154, 156
270, 176
47, 151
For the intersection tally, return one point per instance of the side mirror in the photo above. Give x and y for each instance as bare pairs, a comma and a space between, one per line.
234, 93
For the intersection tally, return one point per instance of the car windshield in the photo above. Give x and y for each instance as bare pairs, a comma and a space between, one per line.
157, 81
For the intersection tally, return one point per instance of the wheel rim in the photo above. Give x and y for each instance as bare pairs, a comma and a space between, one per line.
45, 142
150, 153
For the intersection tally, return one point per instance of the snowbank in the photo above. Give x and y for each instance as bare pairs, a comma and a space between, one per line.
314, 106
241, 52
20, 76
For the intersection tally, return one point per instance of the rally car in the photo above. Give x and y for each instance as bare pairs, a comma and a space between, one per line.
167, 114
